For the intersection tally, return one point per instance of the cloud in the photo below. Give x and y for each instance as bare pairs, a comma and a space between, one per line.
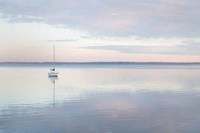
64, 40
189, 48
157, 18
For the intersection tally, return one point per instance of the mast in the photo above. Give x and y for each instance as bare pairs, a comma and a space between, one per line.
54, 53
54, 56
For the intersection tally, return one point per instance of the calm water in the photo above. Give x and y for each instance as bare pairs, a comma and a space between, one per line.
100, 100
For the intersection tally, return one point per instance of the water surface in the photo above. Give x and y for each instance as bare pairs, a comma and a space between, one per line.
89, 99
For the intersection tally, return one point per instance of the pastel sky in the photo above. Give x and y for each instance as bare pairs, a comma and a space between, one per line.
100, 30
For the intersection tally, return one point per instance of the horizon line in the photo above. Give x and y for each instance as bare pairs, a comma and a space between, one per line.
100, 62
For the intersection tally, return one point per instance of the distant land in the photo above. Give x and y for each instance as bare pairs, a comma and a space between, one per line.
100, 63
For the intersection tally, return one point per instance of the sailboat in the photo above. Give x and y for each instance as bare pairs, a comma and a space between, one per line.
53, 72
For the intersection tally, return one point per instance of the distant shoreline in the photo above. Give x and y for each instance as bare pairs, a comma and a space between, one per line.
100, 63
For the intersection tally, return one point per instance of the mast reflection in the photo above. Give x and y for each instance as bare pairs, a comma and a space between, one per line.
53, 81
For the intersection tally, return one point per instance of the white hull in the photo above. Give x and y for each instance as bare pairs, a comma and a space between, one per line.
53, 74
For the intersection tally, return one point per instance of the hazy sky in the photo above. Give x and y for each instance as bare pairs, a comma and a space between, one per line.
100, 30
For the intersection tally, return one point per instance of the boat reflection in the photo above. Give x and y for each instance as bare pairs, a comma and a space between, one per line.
53, 81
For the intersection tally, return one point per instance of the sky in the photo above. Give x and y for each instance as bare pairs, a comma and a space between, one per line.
100, 30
